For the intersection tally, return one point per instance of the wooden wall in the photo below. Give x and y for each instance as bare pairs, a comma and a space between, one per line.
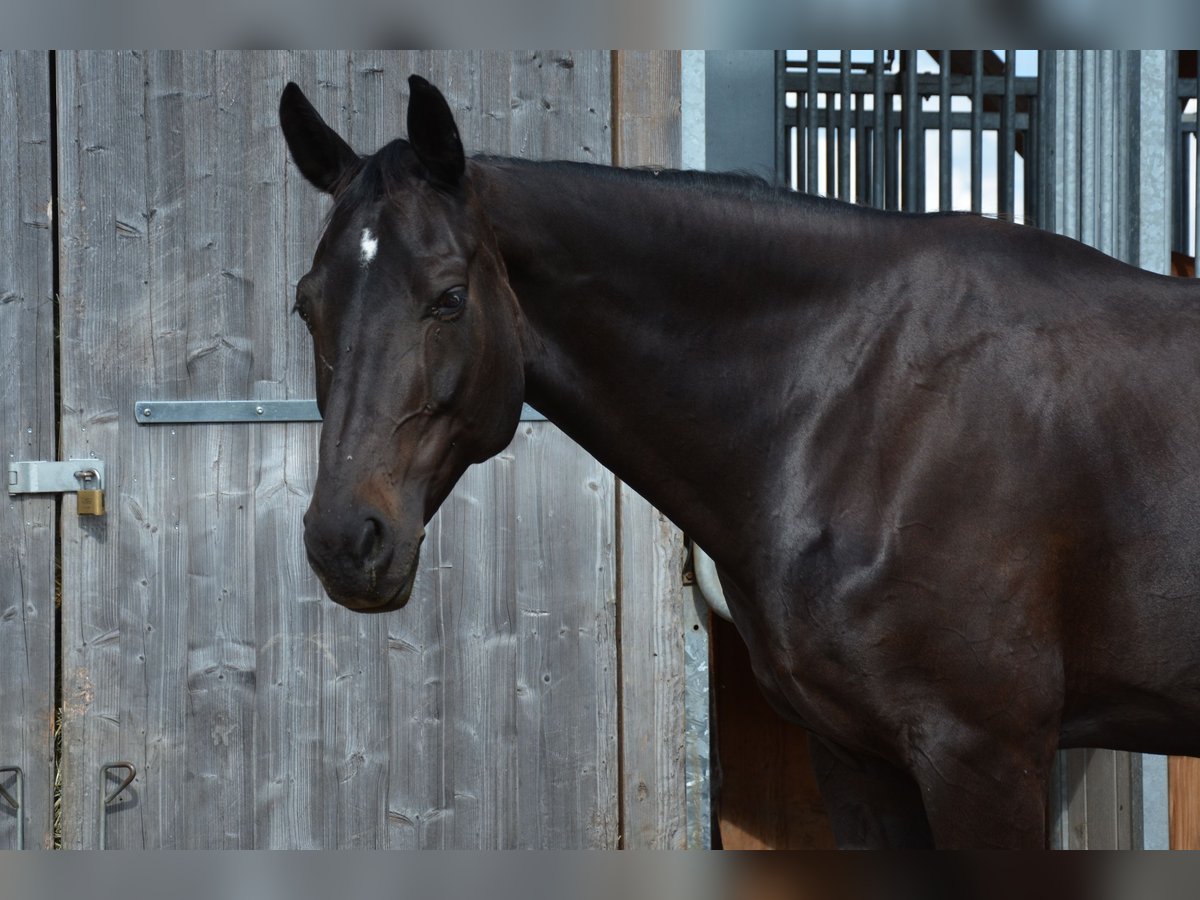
526, 697
27, 422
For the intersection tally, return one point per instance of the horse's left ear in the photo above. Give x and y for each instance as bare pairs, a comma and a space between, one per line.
318, 151
432, 132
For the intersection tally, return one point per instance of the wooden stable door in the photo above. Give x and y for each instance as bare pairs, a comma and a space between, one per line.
196, 645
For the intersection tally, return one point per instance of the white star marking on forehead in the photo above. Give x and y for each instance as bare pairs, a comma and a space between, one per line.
369, 245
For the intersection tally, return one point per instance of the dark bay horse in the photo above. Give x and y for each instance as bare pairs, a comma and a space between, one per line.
948, 468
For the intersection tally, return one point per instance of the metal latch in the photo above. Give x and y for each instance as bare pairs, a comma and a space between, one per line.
71, 477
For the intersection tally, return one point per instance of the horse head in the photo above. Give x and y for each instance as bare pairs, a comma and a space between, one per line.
419, 368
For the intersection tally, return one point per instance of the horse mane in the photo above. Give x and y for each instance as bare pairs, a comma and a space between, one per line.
733, 185
386, 172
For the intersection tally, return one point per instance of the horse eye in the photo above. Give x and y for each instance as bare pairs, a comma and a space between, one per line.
451, 303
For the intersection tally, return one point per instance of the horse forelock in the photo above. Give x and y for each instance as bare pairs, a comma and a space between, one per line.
387, 173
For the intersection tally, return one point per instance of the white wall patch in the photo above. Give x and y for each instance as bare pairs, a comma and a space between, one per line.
370, 246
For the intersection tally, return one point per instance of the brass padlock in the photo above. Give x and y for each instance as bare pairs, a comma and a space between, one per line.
89, 501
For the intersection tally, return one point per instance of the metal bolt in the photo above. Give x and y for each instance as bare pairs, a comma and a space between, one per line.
259, 410
146, 412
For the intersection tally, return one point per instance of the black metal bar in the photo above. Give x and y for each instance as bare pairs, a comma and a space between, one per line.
802, 119
830, 148
1179, 191
930, 120
844, 135
927, 83
945, 134
879, 142
977, 131
893, 157
783, 175
1007, 149
862, 155
909, 103
922, 146
810, 183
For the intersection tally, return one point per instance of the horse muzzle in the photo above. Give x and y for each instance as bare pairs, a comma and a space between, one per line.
362, 565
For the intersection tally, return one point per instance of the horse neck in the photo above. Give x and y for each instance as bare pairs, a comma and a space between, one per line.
651, 313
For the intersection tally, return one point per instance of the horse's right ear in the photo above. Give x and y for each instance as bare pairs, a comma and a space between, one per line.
319, 152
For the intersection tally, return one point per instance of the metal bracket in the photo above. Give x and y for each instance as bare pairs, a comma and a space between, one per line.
108, 797
185, 412
193, 412
17, 802
41, 477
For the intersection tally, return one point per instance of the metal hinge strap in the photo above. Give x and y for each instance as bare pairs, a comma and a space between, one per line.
193, 412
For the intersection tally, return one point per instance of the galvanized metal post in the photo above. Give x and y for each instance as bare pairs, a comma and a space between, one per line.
1156, 100
696, 650
811, 184
879, 141
1113, 146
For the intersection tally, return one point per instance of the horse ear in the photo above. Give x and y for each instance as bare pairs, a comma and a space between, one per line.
432, 132
319, 152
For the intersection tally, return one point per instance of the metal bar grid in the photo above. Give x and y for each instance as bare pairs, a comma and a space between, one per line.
846, 137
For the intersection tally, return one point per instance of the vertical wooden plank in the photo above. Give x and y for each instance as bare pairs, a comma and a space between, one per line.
353, 759
566, 668
566, 593
654, 785
104, 273
420, 806
27, 421
293, 654
1183, 774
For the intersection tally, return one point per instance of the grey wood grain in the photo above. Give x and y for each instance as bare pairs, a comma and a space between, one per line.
654, 790
197, 643
27, 422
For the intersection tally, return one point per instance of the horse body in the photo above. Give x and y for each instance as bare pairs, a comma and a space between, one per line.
948, 468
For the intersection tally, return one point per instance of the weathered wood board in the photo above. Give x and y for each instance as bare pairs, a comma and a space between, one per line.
647, 125
197, 644
27, 422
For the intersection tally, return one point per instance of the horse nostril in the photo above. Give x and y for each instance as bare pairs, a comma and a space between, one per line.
370, 541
